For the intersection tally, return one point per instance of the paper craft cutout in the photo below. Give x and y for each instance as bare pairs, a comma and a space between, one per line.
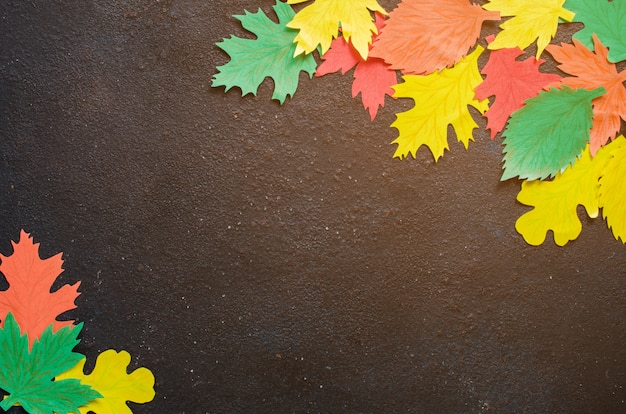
441, 99
270, 55
111, 380
555, 202
28, 297
592, 70
373, 78
511, 82
531, 20
613, 189
28, 376
607, 19
548, 133
318, 24
422, 36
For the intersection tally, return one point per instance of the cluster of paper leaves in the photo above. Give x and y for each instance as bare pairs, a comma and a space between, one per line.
39, 369
552, 126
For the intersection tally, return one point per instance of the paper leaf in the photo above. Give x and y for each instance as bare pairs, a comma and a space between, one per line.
532, 20
607, 19
592, 70
28, 297
318, 24
373, 78
28, 376
548, 133
555, 202
422, 36
511, 82
110, 379
270, 55
613, 189
441, 99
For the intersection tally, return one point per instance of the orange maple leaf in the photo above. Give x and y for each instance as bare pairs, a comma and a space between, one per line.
28, 297
423, 36
592, 70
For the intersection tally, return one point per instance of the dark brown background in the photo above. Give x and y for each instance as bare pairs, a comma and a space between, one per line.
260, 258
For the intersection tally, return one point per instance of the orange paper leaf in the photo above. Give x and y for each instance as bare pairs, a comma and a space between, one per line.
591, 70
422, 36
28, 297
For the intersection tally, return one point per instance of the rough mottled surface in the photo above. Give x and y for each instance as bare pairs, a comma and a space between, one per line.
261, 258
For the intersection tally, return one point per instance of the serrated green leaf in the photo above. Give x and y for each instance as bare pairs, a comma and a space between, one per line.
270, 55
548, 133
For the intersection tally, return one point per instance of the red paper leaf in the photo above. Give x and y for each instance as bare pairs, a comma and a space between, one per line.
28, 297
511, 82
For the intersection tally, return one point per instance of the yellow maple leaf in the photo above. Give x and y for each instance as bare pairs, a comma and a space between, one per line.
555, 202
441, 99
110, 379
532, 20
318, 24
613, 189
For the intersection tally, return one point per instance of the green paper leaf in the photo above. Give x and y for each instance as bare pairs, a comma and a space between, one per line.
607, 19
28, 376
548, 133
270, 55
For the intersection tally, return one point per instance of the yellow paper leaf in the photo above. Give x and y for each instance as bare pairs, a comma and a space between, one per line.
532, 20
441, 99
318, 24
613, 189
110, 379
555, 202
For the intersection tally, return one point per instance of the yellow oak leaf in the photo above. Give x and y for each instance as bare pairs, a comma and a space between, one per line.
441, 99
613, 189
109, 378
318, 24
555, 202
532, 20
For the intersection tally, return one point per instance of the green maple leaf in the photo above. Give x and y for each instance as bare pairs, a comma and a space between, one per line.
607, 19
548, 133
270, 55
28, 375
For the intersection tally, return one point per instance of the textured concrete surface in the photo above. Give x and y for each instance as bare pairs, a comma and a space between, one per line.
261, 258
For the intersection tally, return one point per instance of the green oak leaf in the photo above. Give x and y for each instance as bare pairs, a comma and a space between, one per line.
548, 133
28, 375
270, 55
607, 19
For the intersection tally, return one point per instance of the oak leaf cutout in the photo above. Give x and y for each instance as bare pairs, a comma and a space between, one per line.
441, 99
613, 189
591, 70
422, 36
28, 297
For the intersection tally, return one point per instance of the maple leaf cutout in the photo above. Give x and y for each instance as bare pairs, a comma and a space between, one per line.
441, 99
109, 378
532, 20
318, 24
270, 55
613, 189
592, 70
511, 82
28, 297
605, 18
422, 36
373, 78
555, 202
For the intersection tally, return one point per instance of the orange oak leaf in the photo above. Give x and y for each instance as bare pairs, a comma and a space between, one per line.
373, 78
511, 82
591, 70
28, 297
422, 36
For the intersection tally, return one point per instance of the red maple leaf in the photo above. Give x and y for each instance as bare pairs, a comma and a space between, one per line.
511, 82
28, 297
373, 78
